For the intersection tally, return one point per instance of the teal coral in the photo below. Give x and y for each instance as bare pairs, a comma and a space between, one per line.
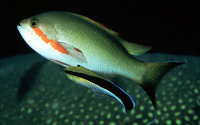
35, 91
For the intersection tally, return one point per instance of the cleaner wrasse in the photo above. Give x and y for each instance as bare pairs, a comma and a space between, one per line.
99, 85
90, 51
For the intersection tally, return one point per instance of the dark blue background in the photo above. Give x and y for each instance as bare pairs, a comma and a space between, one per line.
169, 26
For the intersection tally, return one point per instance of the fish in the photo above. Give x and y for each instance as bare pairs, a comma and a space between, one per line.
90, 52
99, 85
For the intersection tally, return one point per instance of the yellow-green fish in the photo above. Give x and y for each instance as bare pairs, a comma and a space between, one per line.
90, 51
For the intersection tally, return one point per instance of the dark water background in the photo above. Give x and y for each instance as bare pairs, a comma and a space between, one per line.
168, 26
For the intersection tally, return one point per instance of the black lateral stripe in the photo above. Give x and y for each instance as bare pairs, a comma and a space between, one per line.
107, 85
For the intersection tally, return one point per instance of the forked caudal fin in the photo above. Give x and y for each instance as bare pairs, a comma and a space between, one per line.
153, 75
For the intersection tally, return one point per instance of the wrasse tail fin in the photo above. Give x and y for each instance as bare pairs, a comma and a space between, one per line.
153, 75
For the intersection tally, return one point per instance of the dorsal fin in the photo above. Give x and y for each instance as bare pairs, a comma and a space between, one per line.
101, 25
134, 48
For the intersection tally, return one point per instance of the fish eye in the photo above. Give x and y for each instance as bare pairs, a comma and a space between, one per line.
33, 23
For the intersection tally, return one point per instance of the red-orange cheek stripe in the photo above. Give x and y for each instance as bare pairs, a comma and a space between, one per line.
41, 34
53, 43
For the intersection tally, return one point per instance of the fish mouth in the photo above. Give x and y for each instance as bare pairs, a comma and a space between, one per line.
22, 24
20, 27
24, 32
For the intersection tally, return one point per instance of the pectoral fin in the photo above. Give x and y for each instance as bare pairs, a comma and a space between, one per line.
74, 52
99, 84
